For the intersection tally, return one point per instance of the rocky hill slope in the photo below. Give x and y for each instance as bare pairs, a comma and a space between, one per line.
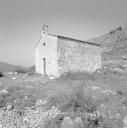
5, 67
115, 44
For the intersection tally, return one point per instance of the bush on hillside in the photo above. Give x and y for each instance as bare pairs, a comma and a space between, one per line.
1, 74
20, 71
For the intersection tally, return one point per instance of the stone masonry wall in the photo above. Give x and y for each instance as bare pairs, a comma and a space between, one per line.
77, 56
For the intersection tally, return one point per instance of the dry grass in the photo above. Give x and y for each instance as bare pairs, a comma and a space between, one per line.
74, 94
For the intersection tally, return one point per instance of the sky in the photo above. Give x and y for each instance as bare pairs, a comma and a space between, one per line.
21, 23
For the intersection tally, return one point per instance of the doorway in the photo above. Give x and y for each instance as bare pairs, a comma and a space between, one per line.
44, 65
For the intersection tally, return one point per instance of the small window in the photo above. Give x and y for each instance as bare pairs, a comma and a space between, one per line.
44, 44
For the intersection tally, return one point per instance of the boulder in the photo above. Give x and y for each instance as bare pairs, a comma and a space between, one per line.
4, 92
67, 123
13, 78
9, 107
78, 123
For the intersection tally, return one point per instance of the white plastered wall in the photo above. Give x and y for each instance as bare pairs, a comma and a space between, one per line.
49, 52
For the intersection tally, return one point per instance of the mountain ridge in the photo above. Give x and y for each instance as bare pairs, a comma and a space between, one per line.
7, 67
115, 45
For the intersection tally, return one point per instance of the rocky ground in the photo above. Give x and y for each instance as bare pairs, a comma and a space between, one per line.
78, 100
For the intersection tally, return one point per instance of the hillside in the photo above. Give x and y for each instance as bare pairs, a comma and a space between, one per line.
5, 67
115, 44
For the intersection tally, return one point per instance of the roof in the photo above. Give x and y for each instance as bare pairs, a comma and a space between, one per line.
72, 39
76, 40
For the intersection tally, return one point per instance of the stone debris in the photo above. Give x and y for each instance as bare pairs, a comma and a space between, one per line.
9, 73
11, 119
37, 115
13, 78
97, 92
15, 73
41, 102
25, 75
9, 107
33, 117
4, 92
52, 77
69, 123
95, 88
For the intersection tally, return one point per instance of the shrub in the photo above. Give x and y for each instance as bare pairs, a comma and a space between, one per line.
76, 102
76, 76
20, 71
1, 74
79, 102
119, 28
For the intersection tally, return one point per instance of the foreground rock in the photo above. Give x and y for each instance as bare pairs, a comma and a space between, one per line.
33, 117
37, 116
69, 123
4, 92
11, 119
